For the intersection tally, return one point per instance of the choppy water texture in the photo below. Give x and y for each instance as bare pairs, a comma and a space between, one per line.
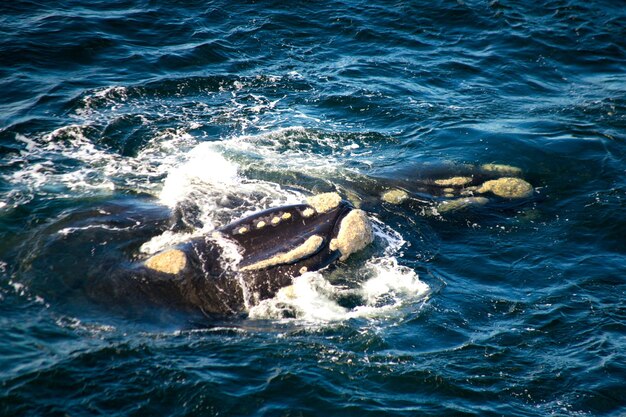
116, 114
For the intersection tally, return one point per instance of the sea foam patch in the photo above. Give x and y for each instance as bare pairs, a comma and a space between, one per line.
66, 163
203, 166
313, 298
298, 149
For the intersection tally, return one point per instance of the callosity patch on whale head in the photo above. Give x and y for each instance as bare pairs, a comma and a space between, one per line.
501, 169
461, 203
170, 261
311, 246
323, 203
395, 196
355, 233
454, 181
508, 187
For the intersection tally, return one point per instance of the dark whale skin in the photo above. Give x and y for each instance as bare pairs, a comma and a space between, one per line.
214, 287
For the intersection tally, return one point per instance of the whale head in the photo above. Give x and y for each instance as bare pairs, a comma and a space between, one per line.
283, 242
274, 245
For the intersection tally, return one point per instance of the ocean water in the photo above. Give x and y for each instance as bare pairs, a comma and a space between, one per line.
117, 116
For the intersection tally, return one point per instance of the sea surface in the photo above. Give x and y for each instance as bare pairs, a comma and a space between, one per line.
117, 116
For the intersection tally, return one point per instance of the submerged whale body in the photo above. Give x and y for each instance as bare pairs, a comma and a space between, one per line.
272, 247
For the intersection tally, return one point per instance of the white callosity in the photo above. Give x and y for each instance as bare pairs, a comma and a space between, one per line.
325, 202
508, 187
309, 247
454, 181
170, 261
395, 196
355, 233
461, 203
502, 169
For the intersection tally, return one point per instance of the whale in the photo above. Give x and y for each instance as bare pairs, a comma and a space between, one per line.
97, 256
239, 265
432, 189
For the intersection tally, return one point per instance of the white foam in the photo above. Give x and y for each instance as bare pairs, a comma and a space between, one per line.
68, 161
392, 240
312, 298
76, 324
40, 172
165, 240
294, 148
21, 290
68, 230
204, 166
391, 285
110, 97
44, 168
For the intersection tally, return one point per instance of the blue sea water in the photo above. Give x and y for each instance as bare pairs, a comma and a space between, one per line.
114, 114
